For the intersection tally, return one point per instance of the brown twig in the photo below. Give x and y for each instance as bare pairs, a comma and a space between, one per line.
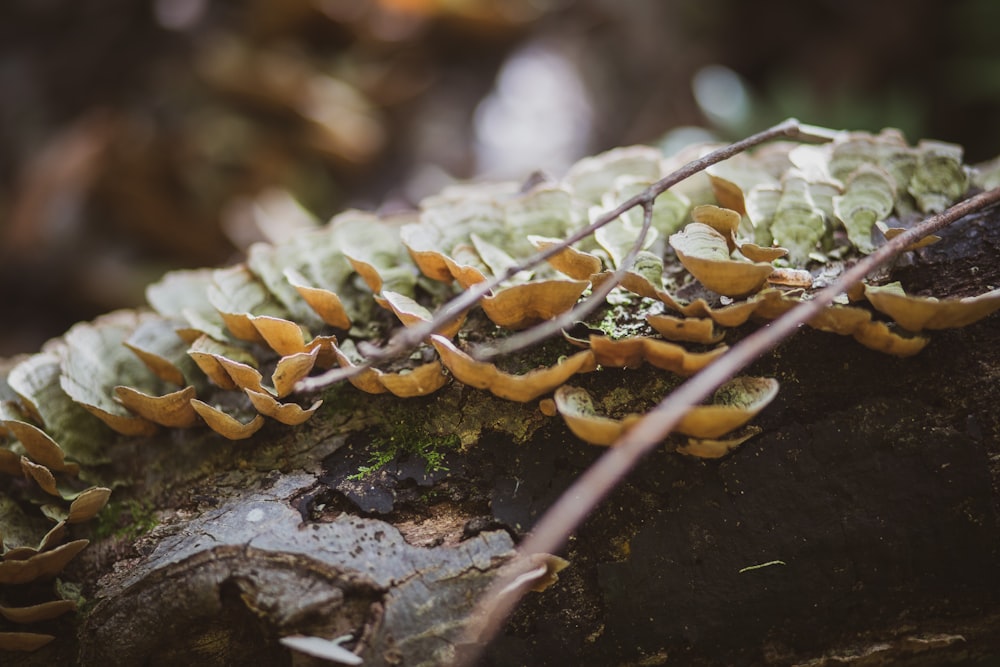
410, 337
573, 506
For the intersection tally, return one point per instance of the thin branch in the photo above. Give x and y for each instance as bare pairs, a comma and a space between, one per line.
597, 297
573, 506
330, 377
410, 337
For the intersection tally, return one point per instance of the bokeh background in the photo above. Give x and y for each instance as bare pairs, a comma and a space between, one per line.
138, 136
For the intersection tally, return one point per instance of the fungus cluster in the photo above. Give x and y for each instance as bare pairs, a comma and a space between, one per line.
34, 545
228, 347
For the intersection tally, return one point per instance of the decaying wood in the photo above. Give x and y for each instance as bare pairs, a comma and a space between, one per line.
861, 526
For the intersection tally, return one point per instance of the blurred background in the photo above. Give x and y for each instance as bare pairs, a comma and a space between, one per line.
138, 136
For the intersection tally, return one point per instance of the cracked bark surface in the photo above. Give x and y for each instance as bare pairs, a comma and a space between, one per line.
872, 500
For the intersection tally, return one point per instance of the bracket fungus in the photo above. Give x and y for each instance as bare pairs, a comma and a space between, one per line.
521, 388
632, 352
686, 329
334, 295
733, 405
705, 253
421, 380
869, 197
918, 313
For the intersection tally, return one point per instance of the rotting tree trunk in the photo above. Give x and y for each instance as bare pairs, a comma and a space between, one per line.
870, 503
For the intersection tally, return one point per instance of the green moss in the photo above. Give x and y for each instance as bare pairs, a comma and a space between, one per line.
127, 519
399, 436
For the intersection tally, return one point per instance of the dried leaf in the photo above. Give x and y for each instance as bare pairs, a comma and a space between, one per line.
35, 380
843, 320
466, 266
761, 204
53, 538
324, 345
732, 315
544, 572
422, 242
449, 220
242, 375
317, 268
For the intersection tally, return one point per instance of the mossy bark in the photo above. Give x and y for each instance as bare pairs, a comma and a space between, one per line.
861, 526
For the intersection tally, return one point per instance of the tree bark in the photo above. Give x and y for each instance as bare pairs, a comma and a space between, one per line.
860, 527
